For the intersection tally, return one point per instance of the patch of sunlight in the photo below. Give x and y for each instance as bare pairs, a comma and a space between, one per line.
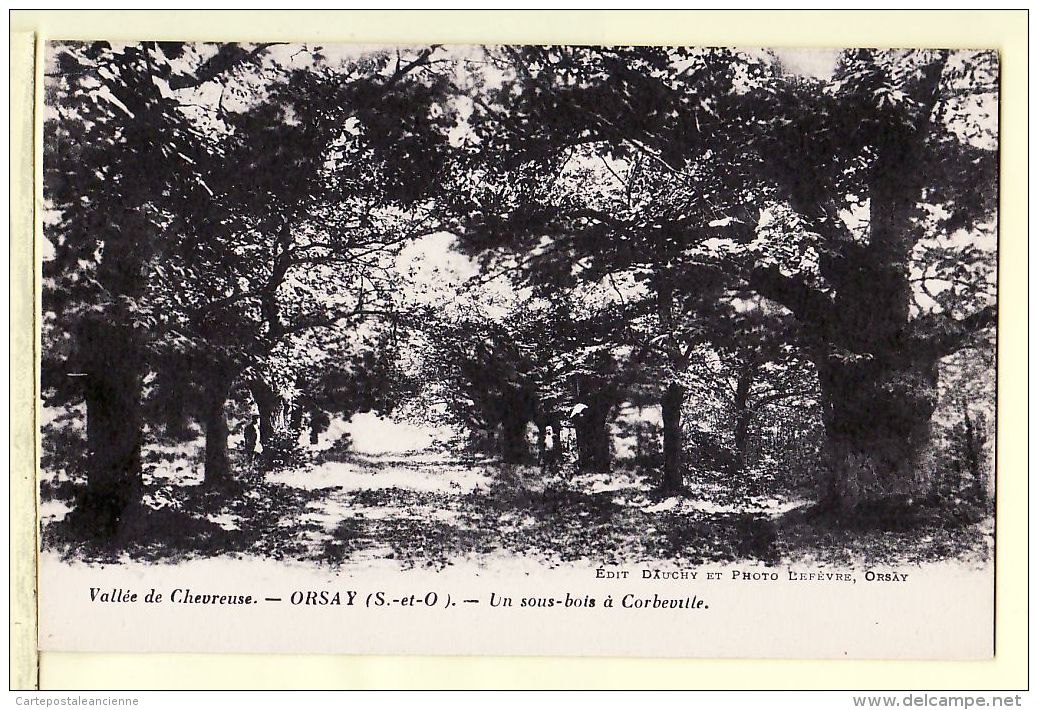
614, 482
665, 504
679, 504
162, 498
780, 507
446, 516
51, 511
177, 473
372, 434
381, 512
337, 428
355, 477
326, 520
177, 450
225, 521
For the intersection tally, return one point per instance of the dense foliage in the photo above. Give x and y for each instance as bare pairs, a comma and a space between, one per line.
692, 262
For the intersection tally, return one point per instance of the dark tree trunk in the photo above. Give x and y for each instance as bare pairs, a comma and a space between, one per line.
217, 461
280, 442
878, 428
972, 452
673, 474
879, 386
600, 444
175, 408
556, 438
274, 422
599, 393
513, 410
742, 416
674, 395
878, 381
113, 386
742, 439
513, 443
265, 407
176, 425
593, 444
877, 367
295, 423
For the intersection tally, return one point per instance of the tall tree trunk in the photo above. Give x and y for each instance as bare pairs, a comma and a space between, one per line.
879, 387
878, 380
266, 406
273, 410
972, 453
601, 450
556, 437
674, 395
296, 419
593, 444
217, 461
742, 416
175, 404
877, 419
877, 372
115, 426
673, 475
742, 439
877, 368
599, 394
513, 442
280, 446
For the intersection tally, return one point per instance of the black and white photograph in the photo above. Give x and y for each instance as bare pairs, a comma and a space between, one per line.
343, 347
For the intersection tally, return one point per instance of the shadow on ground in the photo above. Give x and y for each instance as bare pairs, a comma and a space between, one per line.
173, 523
513, 512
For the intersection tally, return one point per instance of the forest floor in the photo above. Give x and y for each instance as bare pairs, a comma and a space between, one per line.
427, 508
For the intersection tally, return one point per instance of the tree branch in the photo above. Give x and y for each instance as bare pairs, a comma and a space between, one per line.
940, 334
227, 57
811, 307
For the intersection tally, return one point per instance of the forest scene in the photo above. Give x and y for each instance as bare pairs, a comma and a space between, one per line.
451, 304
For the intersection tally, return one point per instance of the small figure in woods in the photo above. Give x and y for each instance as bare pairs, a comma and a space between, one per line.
251, 436
551, 457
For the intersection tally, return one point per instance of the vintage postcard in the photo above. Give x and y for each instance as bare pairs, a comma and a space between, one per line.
634, 351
